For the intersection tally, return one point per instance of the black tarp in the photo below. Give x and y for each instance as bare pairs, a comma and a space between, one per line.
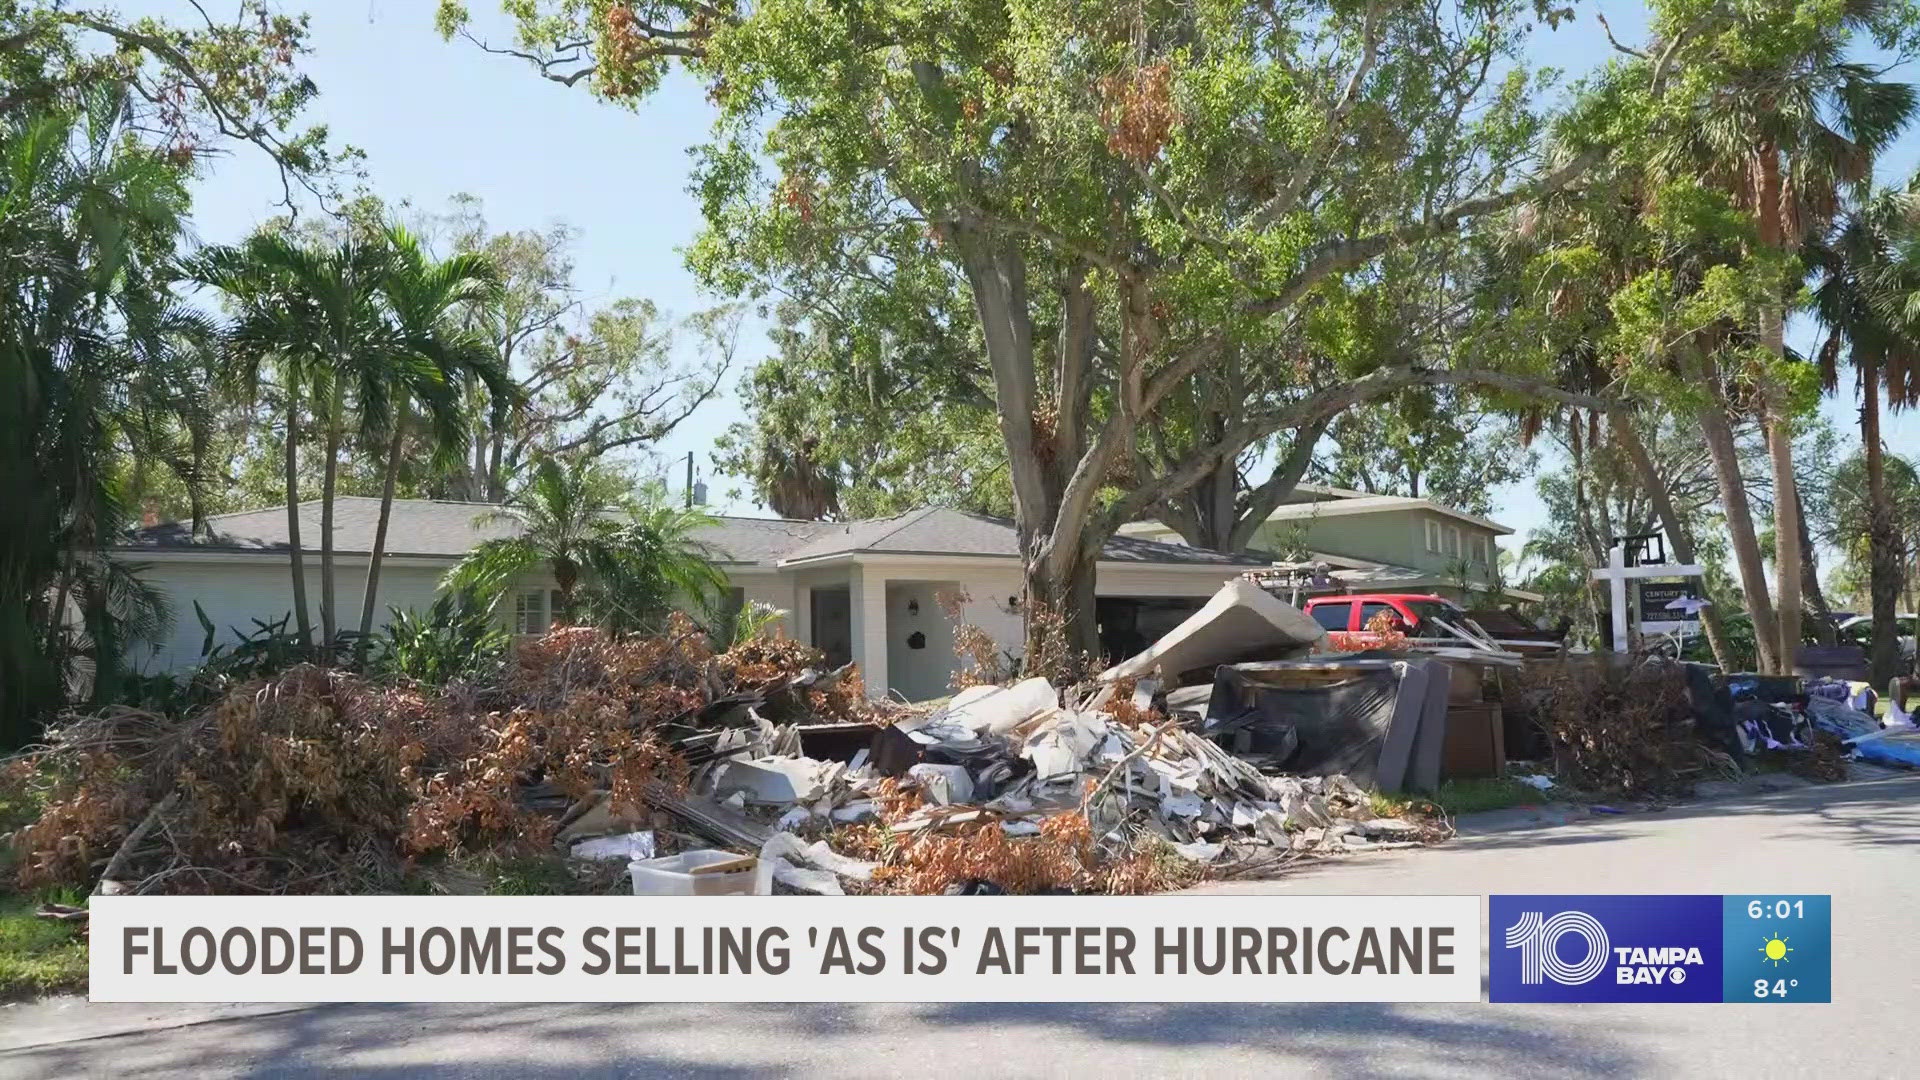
1365, 717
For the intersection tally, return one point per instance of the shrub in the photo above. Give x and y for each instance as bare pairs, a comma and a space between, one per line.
458, 637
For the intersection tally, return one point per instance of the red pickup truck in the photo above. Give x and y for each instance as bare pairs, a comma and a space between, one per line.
1347, 618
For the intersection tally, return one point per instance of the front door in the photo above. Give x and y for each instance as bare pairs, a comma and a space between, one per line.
832, 624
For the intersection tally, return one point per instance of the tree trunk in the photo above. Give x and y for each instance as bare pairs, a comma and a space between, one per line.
1061, 627
1053, 535
1677, 532
566, 575
58, 624
197, 510
1213, 498
199, 437
1787, 557
496, 482
329, 478
1596, 544
1786, 497
1823, 623
1262, 500
1883, 554
1204, 514
379, 540
293, 519
1598, 596
1739, 513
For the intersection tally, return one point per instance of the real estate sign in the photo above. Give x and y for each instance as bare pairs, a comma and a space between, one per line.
1656, 595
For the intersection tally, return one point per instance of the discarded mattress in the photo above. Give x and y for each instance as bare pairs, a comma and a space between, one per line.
1242, 622
1379, 721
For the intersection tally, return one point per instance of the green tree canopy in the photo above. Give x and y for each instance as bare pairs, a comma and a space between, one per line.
1131, 200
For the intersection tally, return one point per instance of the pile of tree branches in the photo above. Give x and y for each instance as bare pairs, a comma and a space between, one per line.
1614, 728
317, 780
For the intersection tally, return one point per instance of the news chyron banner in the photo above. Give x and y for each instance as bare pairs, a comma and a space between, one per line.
786, 948
1758, 949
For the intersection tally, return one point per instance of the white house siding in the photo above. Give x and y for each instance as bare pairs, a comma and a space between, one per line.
769, 588
236, 590
913, 607
882, 623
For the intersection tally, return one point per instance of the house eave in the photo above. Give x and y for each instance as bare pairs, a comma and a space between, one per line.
216, 553
213, 553
1334, 508
925, 558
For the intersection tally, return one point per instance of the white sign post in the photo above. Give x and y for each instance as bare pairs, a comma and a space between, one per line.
1617, 573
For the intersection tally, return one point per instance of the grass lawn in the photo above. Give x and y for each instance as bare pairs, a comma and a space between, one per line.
37, 956
1457, 797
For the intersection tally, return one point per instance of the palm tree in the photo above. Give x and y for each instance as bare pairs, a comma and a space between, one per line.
88, 220
431, 360
1866, 297
1787, 124
618, 563
316, 312
1519, 268
175, 413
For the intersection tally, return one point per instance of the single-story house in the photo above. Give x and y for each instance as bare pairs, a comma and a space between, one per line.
1379, 543
861, 590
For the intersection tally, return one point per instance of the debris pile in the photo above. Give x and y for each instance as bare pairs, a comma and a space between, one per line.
1006, 789
320, 781
1618, 728
1224, 748
1817, 726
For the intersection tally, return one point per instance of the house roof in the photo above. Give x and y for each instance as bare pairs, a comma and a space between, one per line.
938, 530
757, 541
1323, 501
1374, 504
447, 529
1305, 492
416, 527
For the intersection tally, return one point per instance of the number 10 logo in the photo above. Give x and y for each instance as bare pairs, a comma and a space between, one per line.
1538, 939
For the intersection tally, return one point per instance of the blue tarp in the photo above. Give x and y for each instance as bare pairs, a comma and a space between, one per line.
1898, 749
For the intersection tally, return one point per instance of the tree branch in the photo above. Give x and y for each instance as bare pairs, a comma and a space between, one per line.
1341, 255
545, 65
228, 124
1261, 500
1615, 42
1288, 197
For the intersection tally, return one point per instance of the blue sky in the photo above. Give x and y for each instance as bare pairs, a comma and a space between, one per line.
436, 119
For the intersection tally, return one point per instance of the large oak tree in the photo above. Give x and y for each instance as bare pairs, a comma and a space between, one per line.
1137, 200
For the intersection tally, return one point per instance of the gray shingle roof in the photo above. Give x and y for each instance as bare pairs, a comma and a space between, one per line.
758, 540
417, 527
435, 528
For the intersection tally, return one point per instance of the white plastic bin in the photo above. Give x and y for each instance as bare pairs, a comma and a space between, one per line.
687, 874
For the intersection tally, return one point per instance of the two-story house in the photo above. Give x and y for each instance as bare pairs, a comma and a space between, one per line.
1379, 543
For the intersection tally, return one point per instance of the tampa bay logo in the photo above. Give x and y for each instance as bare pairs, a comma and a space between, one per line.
1538, 939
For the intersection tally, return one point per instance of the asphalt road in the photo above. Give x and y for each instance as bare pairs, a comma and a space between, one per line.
1860, 842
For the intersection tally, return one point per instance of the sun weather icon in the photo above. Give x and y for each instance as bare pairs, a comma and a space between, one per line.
1776, 949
